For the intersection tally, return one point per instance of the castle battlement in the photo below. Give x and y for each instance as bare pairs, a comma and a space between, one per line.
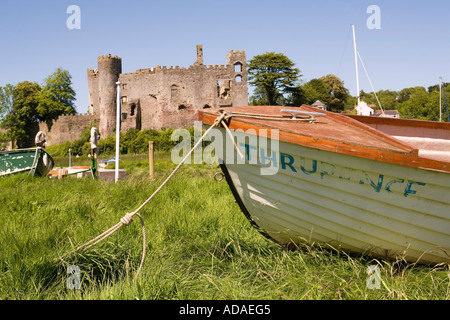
236, 52
92, 72
216, 67
156, 69
79, 116
108, 57
146, 70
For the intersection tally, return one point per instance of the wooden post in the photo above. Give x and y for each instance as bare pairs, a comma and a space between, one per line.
150, 160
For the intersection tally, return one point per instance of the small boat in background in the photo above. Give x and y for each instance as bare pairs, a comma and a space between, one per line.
331, 179
35, 161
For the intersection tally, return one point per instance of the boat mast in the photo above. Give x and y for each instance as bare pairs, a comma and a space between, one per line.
440, 99
356, 64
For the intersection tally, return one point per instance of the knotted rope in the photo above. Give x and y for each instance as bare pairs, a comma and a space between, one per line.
126, 220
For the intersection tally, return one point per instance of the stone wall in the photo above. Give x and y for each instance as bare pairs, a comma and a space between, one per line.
67, 128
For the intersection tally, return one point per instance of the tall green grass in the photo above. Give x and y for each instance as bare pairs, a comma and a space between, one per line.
199, 245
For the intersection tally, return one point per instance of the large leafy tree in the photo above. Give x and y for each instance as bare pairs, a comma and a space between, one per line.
57, 96
337, 94
22, 114
314, 90
328, 89
417, 103
24, 105
272, 74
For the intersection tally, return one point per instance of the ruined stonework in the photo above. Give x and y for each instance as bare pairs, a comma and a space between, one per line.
66, 128
152, 98
163, 97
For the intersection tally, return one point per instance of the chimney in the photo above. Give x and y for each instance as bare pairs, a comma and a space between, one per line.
199, 54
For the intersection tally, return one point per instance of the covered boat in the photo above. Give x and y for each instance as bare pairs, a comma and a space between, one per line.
327, 178
35, 161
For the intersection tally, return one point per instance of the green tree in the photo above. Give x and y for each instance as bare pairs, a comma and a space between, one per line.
367, 97
57, 96
272, 74
388, 99
24, 105
314, 90
295, 96
23, 113
338, 94
417, 103
436, 87
6, 99
406, 93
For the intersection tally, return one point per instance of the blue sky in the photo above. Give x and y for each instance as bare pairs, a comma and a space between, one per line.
412, 47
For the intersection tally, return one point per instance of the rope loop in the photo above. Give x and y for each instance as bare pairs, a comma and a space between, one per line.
127, 219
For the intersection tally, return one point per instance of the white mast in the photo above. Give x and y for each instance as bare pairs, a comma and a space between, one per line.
356, 65
440, 99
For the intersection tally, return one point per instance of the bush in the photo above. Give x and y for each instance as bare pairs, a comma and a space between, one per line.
107, 146
60, 150
134, 141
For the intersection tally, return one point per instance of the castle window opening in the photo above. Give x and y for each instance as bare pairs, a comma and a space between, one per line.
182, 107
124, 99
132, 109
238, 78
206, 106
124, 116
238, 67
173, 91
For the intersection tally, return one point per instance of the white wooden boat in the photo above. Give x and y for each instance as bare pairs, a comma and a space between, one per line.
341, 182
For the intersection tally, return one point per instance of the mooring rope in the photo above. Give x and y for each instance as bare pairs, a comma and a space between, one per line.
126, 220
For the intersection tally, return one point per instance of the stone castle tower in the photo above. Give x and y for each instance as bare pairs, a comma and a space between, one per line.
103, 92
162, 97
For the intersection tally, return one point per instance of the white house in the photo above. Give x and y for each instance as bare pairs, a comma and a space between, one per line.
363, 109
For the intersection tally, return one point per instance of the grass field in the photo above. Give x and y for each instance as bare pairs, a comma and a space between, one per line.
199, 245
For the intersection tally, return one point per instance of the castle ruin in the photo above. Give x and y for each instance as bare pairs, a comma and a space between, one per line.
154, 98
163, 97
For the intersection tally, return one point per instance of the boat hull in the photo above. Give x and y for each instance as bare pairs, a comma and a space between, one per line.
37, 162
352, 203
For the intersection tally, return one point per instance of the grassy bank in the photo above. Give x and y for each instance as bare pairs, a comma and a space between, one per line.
199, 245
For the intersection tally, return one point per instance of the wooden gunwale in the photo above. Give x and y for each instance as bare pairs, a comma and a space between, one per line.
400, 122
401, 153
